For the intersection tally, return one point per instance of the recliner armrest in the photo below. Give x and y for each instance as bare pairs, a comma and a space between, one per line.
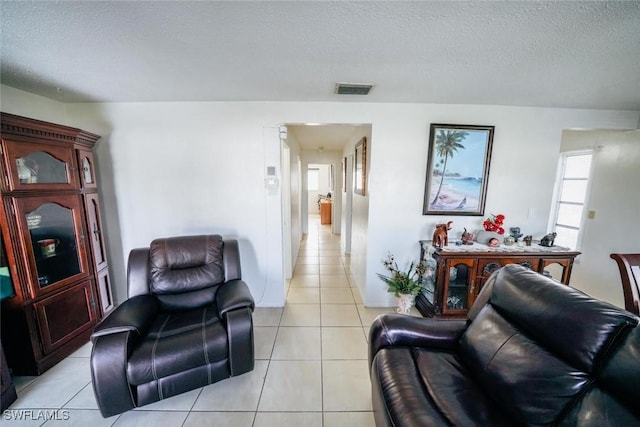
135, 314
408, 331
232, 295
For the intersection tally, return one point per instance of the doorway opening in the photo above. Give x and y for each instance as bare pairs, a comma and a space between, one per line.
321, 161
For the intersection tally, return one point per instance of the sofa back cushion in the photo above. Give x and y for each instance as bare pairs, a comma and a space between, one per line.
537, 345
184, 272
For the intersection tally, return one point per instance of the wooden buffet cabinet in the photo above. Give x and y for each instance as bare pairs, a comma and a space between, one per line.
461, 271
53, 241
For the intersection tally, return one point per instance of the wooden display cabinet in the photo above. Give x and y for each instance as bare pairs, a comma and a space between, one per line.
54, 242
325, 213
462, 271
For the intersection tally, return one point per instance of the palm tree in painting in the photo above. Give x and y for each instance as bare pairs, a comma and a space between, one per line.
448, 141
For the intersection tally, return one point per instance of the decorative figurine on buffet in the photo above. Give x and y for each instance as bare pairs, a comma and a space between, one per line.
527, 240
493, 242
515, 233
548, 239
440, 236
467, 238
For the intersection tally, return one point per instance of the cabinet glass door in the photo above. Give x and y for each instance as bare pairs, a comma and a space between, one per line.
460, 285
92, 206
6, 283
40, 166
55, 237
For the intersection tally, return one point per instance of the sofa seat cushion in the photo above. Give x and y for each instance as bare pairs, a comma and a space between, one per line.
177, 342
420, 387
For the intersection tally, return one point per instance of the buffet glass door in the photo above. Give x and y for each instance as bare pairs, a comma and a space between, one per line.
459, 286
55, 239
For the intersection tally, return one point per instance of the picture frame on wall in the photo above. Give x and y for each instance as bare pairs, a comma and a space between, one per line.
360, 167
457, 169
344, 175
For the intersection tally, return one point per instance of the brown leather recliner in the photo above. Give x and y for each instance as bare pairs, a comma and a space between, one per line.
532, 352
187, 323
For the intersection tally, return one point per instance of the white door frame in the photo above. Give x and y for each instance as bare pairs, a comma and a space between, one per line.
286, 209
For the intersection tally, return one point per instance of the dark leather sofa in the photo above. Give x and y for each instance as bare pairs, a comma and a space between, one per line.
187, 323
532, 352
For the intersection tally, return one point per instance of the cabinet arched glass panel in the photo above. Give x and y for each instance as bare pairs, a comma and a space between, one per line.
54, 241
41, 167
458, 289
86, 171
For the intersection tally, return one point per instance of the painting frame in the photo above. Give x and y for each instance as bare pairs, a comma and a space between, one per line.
457, 185
344, 175
360, 167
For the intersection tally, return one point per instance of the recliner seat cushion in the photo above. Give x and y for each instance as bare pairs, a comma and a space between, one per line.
178, 342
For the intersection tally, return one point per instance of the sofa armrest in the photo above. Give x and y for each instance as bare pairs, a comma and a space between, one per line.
408, 331
232, 295
134, 315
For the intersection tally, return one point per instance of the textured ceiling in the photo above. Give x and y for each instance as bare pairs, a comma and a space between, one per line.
552, 54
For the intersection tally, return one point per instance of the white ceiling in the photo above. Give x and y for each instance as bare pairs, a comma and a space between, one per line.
552, 54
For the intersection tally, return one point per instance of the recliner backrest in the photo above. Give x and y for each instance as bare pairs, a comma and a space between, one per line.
538, 347
185, 272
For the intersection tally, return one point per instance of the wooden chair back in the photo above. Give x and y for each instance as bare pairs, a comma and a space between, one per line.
629, 265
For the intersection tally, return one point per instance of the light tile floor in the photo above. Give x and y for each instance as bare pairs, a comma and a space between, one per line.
311, 364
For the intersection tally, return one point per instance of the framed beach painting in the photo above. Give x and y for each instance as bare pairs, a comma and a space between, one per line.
457, 169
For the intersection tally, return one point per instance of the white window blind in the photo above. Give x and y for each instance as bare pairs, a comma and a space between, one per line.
312, 179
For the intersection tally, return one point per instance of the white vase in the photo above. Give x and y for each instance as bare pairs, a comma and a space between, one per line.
404, 303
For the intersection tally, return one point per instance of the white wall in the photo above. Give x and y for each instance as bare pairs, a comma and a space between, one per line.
26, 104
295, 197
172, 168
360, 218
615, 197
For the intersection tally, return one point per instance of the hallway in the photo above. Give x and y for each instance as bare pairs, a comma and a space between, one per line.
320, 341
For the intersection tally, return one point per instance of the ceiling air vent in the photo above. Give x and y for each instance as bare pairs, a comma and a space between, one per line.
353, 89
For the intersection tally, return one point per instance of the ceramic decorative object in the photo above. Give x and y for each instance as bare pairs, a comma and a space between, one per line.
453, 274
404, 303
509, 240
27, 170
548, 239
484, 236
429, 274
515, 233
24, 173
440, 236
467, 238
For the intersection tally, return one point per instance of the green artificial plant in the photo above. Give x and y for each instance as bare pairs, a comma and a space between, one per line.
399, 282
